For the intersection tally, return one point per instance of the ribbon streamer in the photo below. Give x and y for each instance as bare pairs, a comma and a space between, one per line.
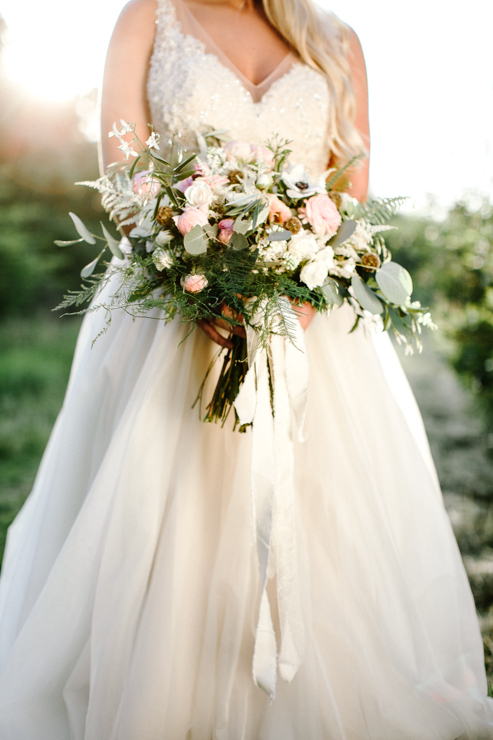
283, 367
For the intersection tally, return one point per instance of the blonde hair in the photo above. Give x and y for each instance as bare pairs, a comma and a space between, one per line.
323, 44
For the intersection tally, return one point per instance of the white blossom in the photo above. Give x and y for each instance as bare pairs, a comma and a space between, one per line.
314, 273
299, 184
127, 149
162, 258
153, 141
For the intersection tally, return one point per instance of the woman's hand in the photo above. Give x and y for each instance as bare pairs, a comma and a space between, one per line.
209, 327
305, 313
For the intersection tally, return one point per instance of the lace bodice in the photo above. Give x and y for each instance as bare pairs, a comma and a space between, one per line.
193, 86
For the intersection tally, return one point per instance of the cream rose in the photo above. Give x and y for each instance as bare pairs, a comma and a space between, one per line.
199, 193
302, 246
322, 215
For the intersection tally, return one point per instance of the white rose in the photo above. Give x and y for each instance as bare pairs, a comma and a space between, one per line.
303, 246
326, 255
162, 258
314, 273
199, 193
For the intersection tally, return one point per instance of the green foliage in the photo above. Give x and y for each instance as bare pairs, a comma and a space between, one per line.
451, 262
35, 357
33, 213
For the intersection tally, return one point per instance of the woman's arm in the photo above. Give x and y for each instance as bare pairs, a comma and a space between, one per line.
359, 188
125, 76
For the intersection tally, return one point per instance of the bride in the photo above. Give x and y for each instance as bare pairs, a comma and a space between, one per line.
130, 589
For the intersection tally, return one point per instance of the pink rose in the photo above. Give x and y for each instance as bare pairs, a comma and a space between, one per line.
322, 215
279, 211
226, 230
238, 150
194, 283
184, 184
263, 154
144, 184
215, 181
189, 218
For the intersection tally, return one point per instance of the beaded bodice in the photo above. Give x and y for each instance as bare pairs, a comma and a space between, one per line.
191, 88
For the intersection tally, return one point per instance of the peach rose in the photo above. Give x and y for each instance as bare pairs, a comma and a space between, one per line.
322, 215
189, 218
263, 154
194, 283
144, 184
238, 150
279, 211
225, 230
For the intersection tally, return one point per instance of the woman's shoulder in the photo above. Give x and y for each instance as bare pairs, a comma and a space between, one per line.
137, 16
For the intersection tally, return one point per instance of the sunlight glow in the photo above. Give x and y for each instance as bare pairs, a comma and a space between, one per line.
430, 68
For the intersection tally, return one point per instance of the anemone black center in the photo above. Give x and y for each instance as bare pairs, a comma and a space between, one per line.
302, 185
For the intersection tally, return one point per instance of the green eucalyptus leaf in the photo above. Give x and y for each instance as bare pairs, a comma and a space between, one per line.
395, 282
82, 230
89, 269
238, 242
242, 226
113, 243
365, 296
345, 230
195, 241
280, 236
331, 292
60, 243
212, 230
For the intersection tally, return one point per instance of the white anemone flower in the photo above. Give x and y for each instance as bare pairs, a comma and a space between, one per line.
299, 185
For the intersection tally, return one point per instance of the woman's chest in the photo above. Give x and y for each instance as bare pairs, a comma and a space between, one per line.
191, 89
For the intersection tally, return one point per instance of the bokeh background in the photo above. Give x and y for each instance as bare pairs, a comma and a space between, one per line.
430, 68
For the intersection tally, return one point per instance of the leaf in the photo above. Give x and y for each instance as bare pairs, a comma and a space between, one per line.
365, 296
346, 229
183, 164
60, 243
211, 230
241, 226
113, 244
132, 168
330, 291
280, 236
195, 241
238, 242
395, 282
89, 269
82, 230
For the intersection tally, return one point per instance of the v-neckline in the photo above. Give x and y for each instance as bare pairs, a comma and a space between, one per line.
220, 54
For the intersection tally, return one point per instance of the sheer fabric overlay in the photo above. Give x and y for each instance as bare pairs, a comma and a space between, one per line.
130, 588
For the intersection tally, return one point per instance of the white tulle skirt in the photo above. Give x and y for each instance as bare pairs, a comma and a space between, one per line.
130, 589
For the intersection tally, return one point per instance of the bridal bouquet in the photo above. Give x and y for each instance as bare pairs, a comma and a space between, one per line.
238, 225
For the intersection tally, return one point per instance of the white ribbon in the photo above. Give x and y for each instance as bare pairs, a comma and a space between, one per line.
282, 367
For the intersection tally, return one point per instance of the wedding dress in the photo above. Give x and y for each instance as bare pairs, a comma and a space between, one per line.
130, 589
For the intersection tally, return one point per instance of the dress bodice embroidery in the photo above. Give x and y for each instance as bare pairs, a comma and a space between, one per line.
191, 89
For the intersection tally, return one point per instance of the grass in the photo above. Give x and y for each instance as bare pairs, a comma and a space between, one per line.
35, 359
